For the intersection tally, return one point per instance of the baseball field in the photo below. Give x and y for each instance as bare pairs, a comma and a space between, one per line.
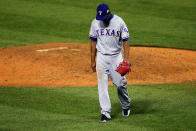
46, 82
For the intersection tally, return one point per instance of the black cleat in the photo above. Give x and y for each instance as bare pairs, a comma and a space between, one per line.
126, 112
104, 119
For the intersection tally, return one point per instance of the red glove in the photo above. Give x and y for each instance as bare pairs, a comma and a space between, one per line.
123, 68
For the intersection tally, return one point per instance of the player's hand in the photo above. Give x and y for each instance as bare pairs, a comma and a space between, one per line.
123, 68
93, 66
127, 60
129, 63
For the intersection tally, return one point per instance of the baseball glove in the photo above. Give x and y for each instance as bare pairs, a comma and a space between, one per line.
123, 68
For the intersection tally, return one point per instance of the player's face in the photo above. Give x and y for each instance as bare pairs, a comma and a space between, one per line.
107, 20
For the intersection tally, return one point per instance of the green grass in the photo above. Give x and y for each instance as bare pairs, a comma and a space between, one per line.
168, 23
154, 107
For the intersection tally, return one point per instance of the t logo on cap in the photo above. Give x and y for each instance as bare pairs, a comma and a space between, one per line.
102, 11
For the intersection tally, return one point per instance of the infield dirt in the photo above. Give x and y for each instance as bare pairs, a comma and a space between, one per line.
68, 64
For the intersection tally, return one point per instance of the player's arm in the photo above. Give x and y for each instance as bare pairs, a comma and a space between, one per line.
125, 38
93, 50
126, 49
93, 54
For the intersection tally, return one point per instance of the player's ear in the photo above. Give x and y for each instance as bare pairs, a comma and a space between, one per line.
109, 14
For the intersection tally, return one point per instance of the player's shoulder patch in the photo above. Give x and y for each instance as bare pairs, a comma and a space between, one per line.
125, 30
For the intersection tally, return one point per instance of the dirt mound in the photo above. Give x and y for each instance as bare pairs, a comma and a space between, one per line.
66, 64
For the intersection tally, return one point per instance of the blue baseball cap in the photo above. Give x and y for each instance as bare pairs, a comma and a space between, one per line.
102, 11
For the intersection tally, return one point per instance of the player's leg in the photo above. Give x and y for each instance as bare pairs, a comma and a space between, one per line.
102, 77
120, 82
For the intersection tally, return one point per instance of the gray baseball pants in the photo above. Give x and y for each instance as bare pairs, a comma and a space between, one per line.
105, 66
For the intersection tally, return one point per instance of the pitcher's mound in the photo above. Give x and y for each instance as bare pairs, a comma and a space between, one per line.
66, 64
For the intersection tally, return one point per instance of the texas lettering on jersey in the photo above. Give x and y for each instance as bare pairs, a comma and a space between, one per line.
107, 32
109, 39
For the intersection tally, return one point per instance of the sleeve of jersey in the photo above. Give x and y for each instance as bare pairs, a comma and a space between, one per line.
124, 31
92, 33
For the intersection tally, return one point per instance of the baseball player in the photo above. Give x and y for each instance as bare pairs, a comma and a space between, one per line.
109, 34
